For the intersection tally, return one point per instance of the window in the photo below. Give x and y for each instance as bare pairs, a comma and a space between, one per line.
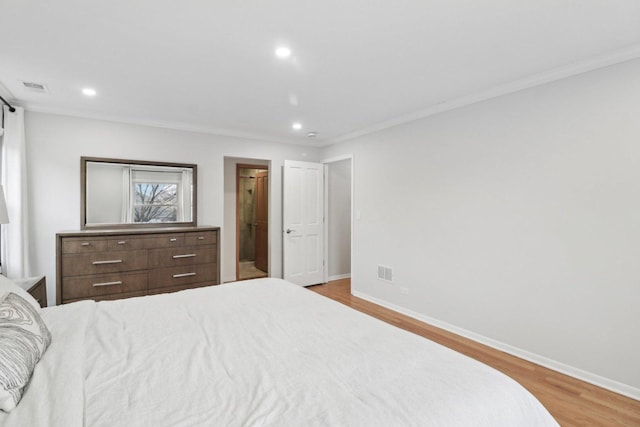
159, 195
155, 202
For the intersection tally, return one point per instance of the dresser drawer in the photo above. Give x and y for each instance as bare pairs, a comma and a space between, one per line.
202, 238
79, 245
103, 284
167, 241
126, 243
174, 276
182, 256
103, 262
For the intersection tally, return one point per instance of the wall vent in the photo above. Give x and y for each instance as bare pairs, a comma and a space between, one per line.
385, 273
35, 87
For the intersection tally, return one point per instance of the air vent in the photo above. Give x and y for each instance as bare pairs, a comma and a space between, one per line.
35, 87
385, 273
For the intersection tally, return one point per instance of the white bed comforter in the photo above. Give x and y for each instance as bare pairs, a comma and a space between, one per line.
254, 353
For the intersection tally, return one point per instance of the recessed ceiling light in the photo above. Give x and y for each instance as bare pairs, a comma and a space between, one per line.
283, 52
296, 126
89, 91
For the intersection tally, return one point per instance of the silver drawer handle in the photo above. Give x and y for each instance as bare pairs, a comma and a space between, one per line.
200, 238
111, 261
184, 256
175, 276
86, 244
119, 282
122, 242
173, 240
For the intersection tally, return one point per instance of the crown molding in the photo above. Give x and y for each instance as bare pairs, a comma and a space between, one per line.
186, 127
539, 79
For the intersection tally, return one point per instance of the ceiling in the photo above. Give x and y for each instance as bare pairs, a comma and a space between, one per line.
356, 65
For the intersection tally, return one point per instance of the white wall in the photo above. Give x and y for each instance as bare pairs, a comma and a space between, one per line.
229, 247
55, 144
516, 219
339, 218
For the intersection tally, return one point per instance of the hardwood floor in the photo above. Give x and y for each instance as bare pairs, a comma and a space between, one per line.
571, 402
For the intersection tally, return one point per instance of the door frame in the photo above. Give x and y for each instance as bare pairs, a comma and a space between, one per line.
238, 167
326, 163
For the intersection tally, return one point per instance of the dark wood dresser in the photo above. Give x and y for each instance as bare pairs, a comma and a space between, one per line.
113, 264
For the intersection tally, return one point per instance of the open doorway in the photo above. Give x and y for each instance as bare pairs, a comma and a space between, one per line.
252, 221
338, 217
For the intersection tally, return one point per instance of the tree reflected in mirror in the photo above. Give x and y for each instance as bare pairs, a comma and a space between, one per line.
155, 202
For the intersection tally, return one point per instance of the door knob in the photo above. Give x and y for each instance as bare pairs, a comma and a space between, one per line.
289, 231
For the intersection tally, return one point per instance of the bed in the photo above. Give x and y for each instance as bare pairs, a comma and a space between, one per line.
255, 353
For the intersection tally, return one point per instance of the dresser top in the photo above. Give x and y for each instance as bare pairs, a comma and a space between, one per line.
139, 231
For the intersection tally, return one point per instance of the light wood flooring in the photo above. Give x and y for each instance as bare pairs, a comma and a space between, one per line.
571, 402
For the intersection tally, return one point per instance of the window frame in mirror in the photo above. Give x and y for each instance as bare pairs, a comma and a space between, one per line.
83, 194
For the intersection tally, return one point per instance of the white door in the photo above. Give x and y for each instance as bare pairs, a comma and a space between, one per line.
303, 222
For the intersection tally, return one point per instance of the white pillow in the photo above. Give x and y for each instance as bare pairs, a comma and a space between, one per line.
7, 285
23, 340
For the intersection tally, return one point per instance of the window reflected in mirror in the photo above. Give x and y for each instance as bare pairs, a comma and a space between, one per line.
117, 193
155, 202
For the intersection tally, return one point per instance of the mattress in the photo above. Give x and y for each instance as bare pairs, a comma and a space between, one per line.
256, 353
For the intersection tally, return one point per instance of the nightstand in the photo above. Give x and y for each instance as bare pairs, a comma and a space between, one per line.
36, 286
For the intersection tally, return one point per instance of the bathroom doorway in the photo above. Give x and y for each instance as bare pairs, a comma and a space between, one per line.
252, 221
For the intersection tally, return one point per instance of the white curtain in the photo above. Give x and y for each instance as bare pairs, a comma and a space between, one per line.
127, 196
15, 235
184, 202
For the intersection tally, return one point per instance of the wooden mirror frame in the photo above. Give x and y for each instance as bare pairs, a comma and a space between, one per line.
83, 194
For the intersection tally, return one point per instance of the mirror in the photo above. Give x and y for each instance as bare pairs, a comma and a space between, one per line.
119, 193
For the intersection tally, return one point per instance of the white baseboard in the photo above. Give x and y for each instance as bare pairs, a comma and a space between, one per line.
338, 277
612, 385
